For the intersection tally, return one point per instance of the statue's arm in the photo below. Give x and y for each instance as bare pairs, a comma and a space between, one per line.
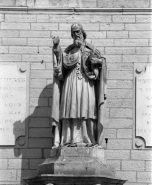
96, 59
97, 62
57, 58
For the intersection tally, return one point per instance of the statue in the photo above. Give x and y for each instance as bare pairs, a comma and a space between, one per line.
78, 108
79, 92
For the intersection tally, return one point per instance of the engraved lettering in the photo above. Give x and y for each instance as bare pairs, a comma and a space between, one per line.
12, 103
144, 105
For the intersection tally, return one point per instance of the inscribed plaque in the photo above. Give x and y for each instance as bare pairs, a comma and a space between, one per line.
144, 105
13, 100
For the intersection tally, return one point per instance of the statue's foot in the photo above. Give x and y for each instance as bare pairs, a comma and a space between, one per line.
89, 144
69, 144
56, 145
97, 145
100, 147
73, 145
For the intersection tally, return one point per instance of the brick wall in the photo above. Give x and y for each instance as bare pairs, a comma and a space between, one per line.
124, 39
79, 3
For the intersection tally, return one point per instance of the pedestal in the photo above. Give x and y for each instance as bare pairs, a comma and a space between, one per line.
75, 166
76, 161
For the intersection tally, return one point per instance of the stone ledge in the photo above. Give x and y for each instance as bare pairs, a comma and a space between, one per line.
46, 10
73, 179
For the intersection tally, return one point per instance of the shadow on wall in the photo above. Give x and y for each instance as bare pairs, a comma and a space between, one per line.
32, 149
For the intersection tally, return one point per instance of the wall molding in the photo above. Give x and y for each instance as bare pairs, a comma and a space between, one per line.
49, 10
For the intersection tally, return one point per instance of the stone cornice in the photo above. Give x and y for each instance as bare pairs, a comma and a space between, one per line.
75, 10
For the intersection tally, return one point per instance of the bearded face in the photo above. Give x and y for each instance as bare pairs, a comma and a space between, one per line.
78, 38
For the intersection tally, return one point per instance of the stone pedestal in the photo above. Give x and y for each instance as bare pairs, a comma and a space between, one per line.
76, 161
75, 166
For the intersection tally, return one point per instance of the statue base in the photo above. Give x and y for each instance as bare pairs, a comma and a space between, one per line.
75, 165
76, 161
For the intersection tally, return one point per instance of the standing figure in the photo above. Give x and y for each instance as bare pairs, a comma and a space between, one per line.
79, 92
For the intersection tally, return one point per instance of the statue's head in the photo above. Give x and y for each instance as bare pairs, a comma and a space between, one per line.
78, 34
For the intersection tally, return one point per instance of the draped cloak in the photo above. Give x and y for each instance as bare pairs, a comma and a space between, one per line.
100, 85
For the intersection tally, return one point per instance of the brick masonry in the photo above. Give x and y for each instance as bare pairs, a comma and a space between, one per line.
78, 3
123, 40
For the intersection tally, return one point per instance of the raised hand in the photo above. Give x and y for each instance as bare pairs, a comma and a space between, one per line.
56, 41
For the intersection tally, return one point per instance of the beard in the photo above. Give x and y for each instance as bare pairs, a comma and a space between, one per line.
78, 42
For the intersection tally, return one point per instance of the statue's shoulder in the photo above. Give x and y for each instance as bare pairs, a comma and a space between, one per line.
93, 48
69, 48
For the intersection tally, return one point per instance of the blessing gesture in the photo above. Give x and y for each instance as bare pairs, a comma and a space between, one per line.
56, 41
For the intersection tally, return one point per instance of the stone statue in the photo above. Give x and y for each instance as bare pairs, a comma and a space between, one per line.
79, 92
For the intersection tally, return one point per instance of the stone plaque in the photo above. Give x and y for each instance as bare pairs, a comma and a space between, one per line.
13, 101
144, 104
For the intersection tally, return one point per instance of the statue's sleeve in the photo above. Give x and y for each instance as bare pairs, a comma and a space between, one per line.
57, 62
99, 59
57, 84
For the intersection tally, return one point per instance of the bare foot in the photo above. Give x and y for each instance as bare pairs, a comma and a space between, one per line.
56, 145
100, 147
89, 144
